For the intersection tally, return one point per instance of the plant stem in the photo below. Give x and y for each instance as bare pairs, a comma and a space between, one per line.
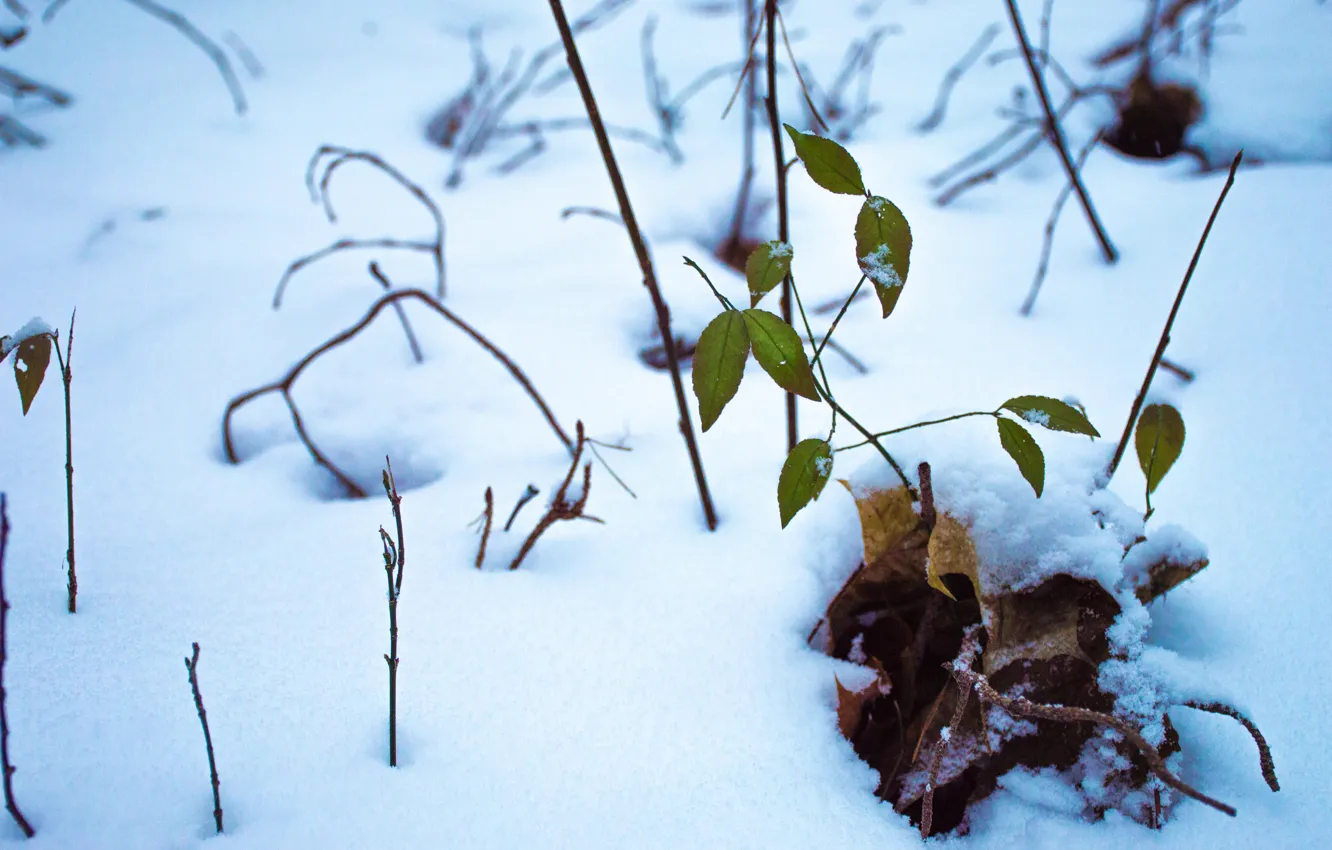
395, 556
644, 258
818, 352
66, 376
8, 769
1170, 322
1057, 135
783, 221
192, 664
921, 425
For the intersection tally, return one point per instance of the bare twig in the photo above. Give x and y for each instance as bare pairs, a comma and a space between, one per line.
594, 212
17, 86
182, 25
1185, 375
560, 507
783, 213
1170, 323
954, 75
965, 659
489, 517
17, 9
66, 377
5, 766
1023, 707
249, 61
379, 275
1047, 244
1057, 135
641, 251
285, 384
528, 495
319, 194
1264, 752
192, 665
395, 558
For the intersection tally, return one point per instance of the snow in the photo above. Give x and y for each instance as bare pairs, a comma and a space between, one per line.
878, 267
31, 328
645, 683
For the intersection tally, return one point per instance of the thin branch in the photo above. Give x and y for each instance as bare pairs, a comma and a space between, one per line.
1264, 752
192, 665
965, 659
319, 194
5, 766
18, 86
415, 346
1047, 244
1023, 707
489, 516
1170, 323
560, 507
641, 252
528, 495
783, 212
1185, 375
1057, 136
182, 25
594, 212
285, 384
66, 378
954, 75
249, 61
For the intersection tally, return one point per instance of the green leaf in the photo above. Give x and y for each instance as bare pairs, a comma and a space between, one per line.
719, 364
808, 467
778, 349
883, 249
31, 357
1159, 441
827, 162
766, 267
1051, 413
1024, 451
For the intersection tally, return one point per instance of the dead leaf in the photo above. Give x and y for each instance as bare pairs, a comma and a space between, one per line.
1166, 575
886, 516
951, 552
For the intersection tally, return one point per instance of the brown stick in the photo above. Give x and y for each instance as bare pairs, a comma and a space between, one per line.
395, 557
66, 377
1047, 243
284, 385
1264, 752
783, 217
489, 517
641, 252
319, 194
945, 735
192, 664
1057, 136
5, 766
1170, 322
560, 507
1023, 707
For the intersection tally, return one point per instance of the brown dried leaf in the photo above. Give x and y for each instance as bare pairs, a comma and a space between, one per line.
1028, 627
952, 553
1165, 576
886, 517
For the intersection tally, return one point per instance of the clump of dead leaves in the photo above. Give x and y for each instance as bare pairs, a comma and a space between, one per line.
914, 612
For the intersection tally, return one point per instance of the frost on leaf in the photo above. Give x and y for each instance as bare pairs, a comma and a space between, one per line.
883, 249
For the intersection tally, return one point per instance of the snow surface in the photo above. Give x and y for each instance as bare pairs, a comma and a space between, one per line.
644, 683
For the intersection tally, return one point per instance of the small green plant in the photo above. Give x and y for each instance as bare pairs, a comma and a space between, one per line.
32, 346
883, 253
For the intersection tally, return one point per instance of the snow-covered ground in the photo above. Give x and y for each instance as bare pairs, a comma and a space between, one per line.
645, 683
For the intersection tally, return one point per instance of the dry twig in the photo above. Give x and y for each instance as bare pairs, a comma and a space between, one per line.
560, 507
489, 517
954, 75
1264, 752
1047, 243
1170, 323
5, 766
337, 157
285, 384
641, 252
192, 665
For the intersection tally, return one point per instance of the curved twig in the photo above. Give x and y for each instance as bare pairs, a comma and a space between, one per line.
1264, 752
953, 76
319, 194
182, 25
1047, 244
284, 385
